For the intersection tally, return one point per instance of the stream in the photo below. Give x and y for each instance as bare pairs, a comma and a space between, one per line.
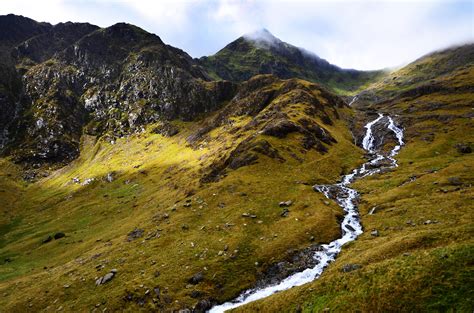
346, 198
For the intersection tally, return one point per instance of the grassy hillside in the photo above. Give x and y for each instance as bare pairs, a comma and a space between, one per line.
159, 222
422, 259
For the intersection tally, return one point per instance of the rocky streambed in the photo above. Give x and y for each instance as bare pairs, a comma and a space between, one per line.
347, 199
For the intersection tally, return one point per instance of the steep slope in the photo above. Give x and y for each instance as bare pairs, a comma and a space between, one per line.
416, 253
79, 79
187, 212
263, 53
13, 30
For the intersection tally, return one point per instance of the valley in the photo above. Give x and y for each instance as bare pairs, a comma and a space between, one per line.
136, 178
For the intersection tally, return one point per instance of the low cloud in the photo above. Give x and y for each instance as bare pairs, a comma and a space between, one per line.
351, 34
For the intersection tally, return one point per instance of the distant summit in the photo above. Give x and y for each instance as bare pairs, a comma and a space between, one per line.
263, 37
260, 52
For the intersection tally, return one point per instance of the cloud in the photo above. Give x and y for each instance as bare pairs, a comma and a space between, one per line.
363, 34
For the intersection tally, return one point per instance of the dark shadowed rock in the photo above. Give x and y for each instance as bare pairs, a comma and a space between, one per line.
59, 235
196, 278
47, 239
463, 148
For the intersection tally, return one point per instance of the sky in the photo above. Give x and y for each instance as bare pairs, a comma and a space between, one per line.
358, 34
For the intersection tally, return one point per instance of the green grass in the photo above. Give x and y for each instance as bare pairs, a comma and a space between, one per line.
427, 267
155, 175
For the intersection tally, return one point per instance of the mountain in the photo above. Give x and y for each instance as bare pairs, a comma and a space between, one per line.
112, 81
262, 53
416, 252
131, 180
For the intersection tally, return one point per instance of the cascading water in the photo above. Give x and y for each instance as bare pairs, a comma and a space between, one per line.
351, 227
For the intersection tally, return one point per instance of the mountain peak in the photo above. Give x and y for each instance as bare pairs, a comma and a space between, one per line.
262, 36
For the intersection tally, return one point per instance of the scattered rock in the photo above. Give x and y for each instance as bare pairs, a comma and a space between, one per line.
47, 239
410, 222
196, 294
455, 181
350, 227
286, 203
249, 215
350, 267
135, 234
196, 278
59, 235
106, 278
285, 212
375, 233
110, 177
463, 148
88, 181
202, 306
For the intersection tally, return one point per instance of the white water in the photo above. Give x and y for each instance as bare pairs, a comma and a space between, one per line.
353, 100
351, 227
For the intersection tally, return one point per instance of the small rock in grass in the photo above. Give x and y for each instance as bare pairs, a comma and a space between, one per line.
350, 267
455, 181
110, 177
47, 239
196, 294
203, 306
375, 233
135, 234
106, 278
285, 212
286, 203
196, 278
463, 148
59, 235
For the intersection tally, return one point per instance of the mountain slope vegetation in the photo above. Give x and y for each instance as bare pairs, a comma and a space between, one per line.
134, 177
421, 255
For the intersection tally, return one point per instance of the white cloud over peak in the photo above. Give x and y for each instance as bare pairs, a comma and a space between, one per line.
363, 34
